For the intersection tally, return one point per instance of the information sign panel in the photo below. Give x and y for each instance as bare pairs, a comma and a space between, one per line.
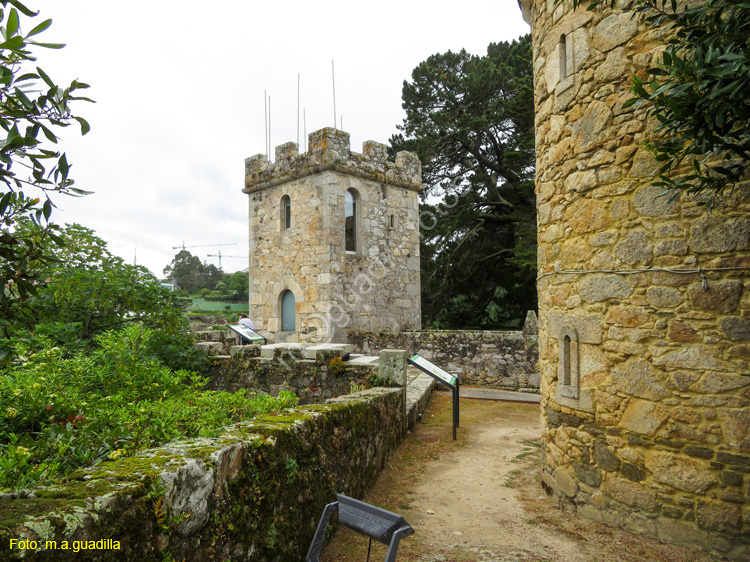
247, 333
441, 376
432, 369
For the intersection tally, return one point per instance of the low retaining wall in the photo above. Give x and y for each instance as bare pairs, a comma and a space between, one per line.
255, 493
504, 360
313, 372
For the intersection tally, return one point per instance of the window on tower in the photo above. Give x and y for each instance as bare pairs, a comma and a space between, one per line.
288, 312
286, 213
351, 211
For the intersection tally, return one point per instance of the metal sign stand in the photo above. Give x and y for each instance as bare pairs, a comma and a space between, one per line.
443, 377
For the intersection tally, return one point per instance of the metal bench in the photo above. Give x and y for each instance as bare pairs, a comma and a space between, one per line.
373, 522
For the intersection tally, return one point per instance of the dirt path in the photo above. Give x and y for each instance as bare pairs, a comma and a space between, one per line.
478, 499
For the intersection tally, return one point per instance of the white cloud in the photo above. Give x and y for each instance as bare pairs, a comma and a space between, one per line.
179, 91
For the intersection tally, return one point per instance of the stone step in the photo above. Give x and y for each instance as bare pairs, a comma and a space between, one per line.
267, 351
311, 352
363, 360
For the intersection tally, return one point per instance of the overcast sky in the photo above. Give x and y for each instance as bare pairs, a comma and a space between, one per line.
179, 89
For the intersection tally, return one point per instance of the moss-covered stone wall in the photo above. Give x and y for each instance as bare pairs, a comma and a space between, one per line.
496, 359
313, 373
255, 493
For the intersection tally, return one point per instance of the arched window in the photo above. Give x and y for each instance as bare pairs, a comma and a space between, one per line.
288, 323
350, 221
286, 213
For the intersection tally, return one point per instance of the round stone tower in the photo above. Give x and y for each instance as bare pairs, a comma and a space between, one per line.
644, 301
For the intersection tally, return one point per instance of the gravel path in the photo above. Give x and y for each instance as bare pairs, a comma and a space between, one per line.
478, 499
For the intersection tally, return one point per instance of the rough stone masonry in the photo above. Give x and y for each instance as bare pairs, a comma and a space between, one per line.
334, 239
644, 301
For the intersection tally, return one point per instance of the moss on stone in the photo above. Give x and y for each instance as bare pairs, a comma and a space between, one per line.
265, 506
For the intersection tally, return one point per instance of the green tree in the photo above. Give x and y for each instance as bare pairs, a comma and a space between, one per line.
698, 93
212, 275
97, 291
32, 108
238, 284
193, 275
86, 291
471, 121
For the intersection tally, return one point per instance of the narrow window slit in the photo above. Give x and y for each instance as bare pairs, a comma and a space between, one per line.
563, 57
566, 360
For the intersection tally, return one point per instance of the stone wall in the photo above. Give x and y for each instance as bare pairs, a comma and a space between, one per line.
313, 373
644, 301
375, 287
504, 360
216, 342
255, 493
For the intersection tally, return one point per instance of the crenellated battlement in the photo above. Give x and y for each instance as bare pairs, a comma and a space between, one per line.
329, 149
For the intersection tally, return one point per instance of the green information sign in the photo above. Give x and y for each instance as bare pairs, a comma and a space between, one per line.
441, 376
432, 369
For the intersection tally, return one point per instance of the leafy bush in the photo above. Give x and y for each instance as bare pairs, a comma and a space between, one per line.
336, 365
88, 291
61, 413
176, 349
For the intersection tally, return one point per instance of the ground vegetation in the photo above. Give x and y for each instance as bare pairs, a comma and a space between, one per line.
64, 410
82, 290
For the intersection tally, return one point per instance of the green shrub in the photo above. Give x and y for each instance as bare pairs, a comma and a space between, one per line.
59, 413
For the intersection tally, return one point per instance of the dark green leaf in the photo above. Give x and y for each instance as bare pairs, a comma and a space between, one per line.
13, 44
85, 127
22, 8
46, 78
12, 26
62, 165
39, 28
47, 133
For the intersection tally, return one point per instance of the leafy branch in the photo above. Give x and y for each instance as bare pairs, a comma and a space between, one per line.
698, 94
32, 109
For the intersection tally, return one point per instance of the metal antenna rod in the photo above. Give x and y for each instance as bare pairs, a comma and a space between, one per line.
333, 80
298, 110
265, 120
269, 128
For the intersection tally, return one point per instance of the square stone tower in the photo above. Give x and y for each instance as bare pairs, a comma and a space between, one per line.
334, 239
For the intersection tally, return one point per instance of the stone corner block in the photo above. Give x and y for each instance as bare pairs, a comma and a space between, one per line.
392, 366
